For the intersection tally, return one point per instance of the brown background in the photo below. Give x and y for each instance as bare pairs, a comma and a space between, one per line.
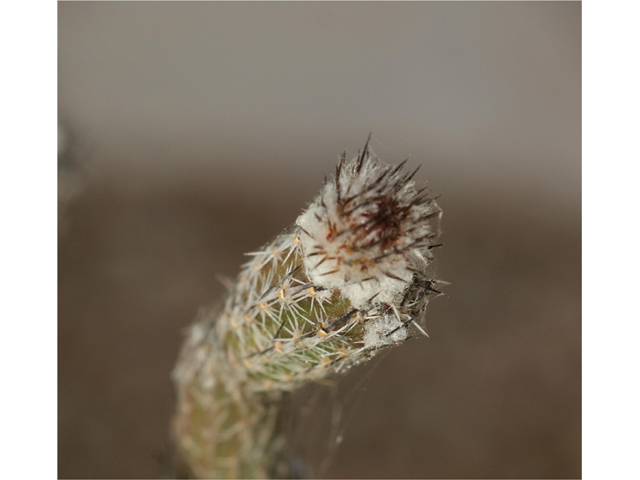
202, 129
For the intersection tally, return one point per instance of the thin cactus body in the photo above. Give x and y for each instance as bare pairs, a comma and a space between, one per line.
345, 281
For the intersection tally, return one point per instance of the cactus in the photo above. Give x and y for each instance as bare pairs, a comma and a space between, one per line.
347, 280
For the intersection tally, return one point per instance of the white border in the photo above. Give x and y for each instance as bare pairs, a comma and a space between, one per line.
610, 232
28, 259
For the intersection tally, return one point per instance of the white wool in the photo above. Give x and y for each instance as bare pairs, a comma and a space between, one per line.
384, 289
364, 232
376, 331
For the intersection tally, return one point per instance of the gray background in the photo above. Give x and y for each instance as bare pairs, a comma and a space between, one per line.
200, 130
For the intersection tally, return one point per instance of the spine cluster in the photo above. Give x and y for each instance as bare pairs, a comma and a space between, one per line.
347, 280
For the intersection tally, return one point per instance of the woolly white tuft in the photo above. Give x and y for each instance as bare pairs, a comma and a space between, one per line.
384, 331
367, 232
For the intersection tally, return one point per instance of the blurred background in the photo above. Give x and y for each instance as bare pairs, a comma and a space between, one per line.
193, 132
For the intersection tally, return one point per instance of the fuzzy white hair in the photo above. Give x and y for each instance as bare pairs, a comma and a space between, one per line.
368, 231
